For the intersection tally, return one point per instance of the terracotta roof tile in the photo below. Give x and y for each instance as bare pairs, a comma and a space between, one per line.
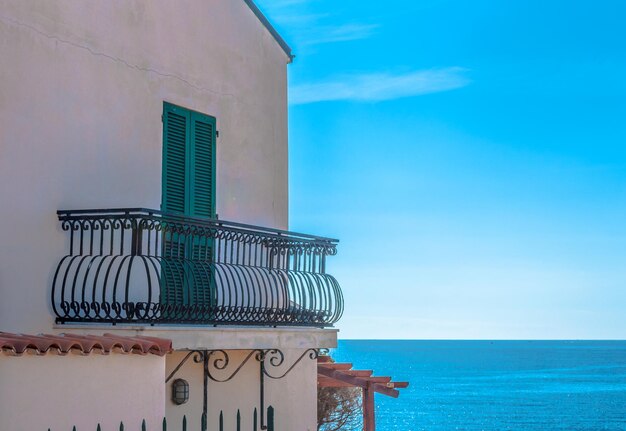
18, 344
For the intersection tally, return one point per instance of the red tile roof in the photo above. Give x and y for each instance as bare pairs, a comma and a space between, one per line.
18, 344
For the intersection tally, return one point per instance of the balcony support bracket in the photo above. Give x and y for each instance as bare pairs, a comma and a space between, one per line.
216, 367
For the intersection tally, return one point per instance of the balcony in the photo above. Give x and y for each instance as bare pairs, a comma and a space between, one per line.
142, 266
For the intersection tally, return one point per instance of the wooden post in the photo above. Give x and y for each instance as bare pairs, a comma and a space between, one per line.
369, 412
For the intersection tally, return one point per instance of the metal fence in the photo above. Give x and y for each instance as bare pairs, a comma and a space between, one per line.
221, 425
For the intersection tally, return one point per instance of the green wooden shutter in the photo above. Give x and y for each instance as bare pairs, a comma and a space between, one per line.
174, 199
188, 162
202, 200
188, 188
176, 152
202, 165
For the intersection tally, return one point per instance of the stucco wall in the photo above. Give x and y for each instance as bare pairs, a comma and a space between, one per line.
293, 397
82, 86
58, 392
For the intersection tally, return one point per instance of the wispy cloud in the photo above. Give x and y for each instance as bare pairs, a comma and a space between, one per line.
340, 33
380, 86
313, 26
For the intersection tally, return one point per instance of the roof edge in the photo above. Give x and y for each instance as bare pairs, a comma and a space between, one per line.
255, 9
62, 344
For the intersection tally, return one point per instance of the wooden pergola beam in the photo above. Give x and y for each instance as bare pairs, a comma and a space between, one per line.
336, 366
358, 381
326, 382
359, 373
379, 379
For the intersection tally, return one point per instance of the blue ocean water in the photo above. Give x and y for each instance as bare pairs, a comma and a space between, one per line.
497, 385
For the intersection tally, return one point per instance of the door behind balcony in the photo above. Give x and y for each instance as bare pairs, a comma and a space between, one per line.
188, 189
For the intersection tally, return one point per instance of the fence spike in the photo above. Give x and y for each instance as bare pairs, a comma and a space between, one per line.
98, 428
221, 421
143, 425
164, 424
255, 425
184, 422
121, 426
238, 420
74, 428
270, 418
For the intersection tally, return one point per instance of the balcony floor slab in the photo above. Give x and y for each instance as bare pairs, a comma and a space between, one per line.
211, 338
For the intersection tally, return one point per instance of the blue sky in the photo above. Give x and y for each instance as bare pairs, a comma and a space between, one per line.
470, 156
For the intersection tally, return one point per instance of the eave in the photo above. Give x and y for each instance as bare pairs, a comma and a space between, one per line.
285, 47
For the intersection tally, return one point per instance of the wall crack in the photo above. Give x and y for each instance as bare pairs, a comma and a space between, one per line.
118, 60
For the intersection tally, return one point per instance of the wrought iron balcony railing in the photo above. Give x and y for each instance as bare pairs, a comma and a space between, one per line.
136, 265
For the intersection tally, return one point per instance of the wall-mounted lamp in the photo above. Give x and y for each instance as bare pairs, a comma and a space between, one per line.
180, 391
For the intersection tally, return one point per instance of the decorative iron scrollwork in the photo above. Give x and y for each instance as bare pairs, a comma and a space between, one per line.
275, 358
219, 360
147, 266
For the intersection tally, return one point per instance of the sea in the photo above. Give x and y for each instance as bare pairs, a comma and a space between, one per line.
496, 385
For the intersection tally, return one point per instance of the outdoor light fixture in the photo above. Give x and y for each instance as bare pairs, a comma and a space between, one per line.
180, 391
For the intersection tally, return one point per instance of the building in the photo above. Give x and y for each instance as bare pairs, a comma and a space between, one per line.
143, 170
